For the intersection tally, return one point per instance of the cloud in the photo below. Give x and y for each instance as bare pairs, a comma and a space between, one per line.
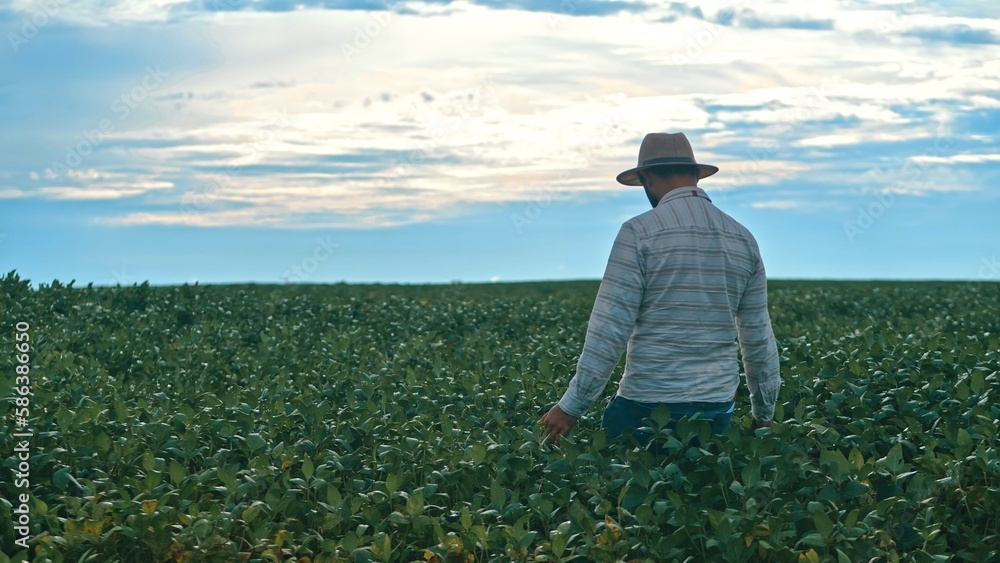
955, 34
780, 204
288, 132
568, 7
117, 12
11, 193
750, 19
677, 10
92, 184
957, 159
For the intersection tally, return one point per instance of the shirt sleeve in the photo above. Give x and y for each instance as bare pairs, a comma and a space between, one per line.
760, 351
611, 323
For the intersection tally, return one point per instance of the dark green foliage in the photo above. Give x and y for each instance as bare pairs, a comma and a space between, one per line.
397, 423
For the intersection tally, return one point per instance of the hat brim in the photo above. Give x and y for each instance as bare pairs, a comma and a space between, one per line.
630, 177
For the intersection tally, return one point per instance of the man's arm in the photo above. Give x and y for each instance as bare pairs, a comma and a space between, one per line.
760, 352
611, 323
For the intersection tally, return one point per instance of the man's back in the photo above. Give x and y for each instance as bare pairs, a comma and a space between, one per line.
700, 267
683, 283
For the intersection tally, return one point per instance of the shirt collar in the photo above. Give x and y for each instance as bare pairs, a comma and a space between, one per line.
687, 191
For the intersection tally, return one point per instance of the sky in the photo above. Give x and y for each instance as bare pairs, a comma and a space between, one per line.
315, 141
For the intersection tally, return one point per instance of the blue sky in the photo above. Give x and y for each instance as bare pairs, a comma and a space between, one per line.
431, 141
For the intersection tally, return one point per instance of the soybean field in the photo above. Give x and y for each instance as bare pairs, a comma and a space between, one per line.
396, 423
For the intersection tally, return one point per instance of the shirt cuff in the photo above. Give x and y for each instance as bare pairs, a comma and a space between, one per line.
572, 406
761, 413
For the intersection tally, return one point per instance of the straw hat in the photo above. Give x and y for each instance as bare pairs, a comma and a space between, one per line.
664, 149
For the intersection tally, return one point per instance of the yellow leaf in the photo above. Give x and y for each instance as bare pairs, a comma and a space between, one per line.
93, 527
616, 530
809, 556
149, 505
453, 544
748, 539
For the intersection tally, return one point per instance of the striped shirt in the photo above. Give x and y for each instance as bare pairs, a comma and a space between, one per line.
684, 282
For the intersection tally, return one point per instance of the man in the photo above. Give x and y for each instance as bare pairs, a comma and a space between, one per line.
684, 282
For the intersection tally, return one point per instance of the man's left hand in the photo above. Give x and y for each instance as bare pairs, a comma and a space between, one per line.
556, 424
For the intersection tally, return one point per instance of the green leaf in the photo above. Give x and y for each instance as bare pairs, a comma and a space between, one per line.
255, 442
813, 540
964, 438
392, 483
398, 518
840, 468
415, 504
177, 472
823, 524
102, 441
853, 489
498, 496
333, 497
251, 512
478, 453
856, 459
852, 517
894, 459
61, 478
465, 518
978, 382
148, 460
307, 468
227, 477
751, 472
660, 416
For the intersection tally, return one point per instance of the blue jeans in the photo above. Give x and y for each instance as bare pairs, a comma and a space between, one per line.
622, 414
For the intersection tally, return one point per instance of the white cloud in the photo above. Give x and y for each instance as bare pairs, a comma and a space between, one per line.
11, 193
506, 105
91, 184
957, 159
780, 204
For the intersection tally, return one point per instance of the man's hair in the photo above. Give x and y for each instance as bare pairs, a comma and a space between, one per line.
664, 172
